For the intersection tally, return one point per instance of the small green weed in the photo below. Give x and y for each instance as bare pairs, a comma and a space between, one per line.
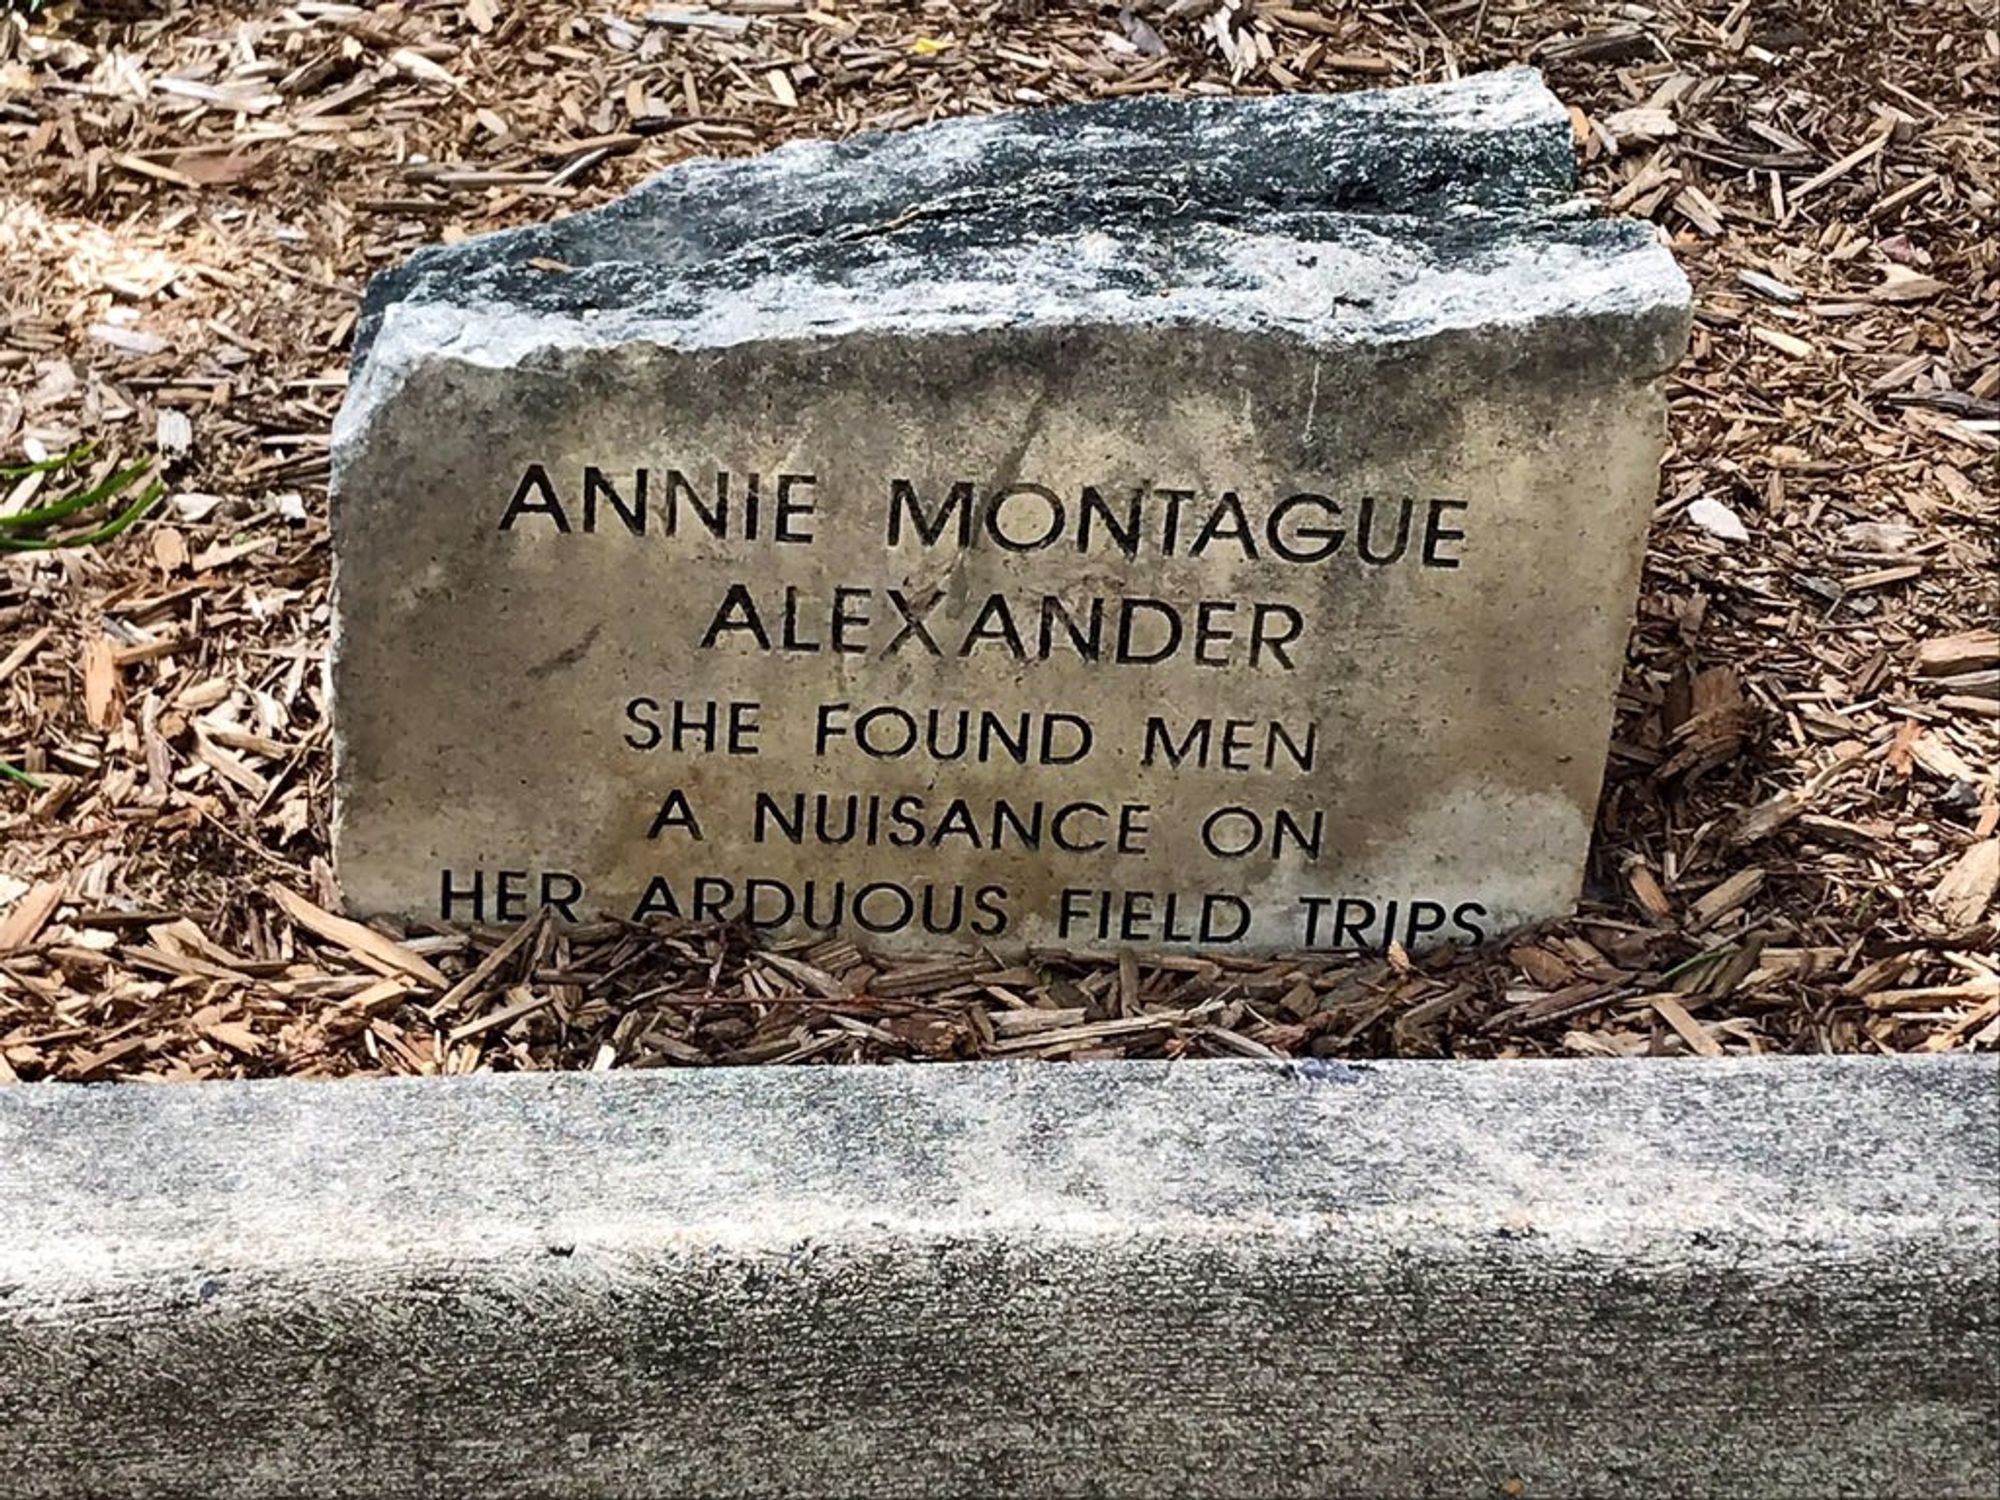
78, 519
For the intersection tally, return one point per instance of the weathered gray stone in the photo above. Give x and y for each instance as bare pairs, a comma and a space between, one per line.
1190, 312
1752, 1278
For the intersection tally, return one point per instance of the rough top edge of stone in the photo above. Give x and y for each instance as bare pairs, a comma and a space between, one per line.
1496, 142
1372, 286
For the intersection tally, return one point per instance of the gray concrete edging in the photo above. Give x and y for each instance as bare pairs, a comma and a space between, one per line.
1776, 1277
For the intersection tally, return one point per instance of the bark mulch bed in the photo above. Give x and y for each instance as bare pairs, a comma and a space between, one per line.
1799, 841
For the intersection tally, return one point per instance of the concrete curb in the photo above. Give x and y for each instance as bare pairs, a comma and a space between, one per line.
1617, 1278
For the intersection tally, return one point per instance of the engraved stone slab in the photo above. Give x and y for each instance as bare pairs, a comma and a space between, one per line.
1147, 524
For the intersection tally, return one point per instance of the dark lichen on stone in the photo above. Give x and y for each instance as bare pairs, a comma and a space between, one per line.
1314, 210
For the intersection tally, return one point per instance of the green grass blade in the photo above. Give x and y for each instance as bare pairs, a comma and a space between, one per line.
48, 515
9, 773
75, 456
103, 533
147, 499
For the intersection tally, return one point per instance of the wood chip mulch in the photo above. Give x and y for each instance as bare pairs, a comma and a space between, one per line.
1799, 843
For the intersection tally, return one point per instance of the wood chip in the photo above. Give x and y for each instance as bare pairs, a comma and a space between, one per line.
1072, 1035
1840, 168
20, 655
1946, 656
1966, 892
1686, 1026
103, 700
455, 997
1931, 751
520, 1002
1646, 891
364, 942
30, 912
1786, 343
1714, 905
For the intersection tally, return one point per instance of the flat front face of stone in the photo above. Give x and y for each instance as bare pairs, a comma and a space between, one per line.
1141, 526
1100, 638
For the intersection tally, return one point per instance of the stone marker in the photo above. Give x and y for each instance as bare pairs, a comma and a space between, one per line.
1158, 523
